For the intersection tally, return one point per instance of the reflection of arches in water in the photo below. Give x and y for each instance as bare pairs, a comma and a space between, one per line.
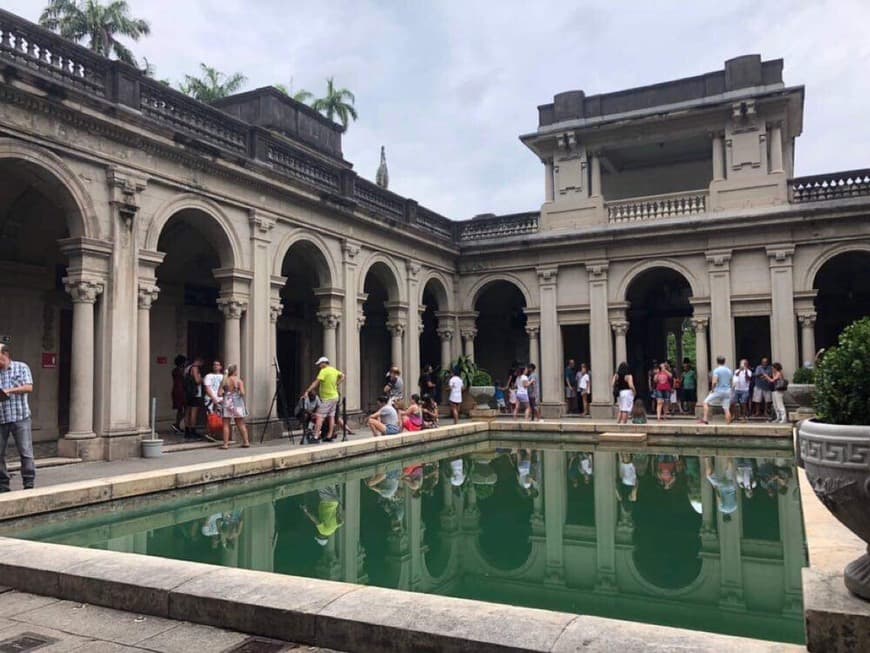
505, 526
378, 517
437, 550
296, 551
666, 540
760, 515
581, 492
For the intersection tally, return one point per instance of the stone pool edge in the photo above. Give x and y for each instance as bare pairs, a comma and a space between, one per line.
328, 613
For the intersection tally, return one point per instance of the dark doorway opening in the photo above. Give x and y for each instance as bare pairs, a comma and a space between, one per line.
752, 337
843, 297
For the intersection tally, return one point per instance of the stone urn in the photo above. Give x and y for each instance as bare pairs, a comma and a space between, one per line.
801, 397
837, 461
482, 394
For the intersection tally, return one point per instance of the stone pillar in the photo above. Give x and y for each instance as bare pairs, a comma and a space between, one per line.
783, 326
147, 296
702, 365
793, 553
718, 158
595, 186
411, 371
620, 329
555, 510
446, 336
232, 309
721, 322
552, 392
397, 332
255, 353
84, 294
808, 337
276, 307
532, 331
730, 534
604, 478
352, 325
600, 342
329, 321
776, 149
468, 335
549, 193
351, 552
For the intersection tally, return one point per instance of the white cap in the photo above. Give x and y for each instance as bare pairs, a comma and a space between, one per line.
322, 359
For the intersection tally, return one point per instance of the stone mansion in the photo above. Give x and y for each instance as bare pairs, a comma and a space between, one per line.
138, 224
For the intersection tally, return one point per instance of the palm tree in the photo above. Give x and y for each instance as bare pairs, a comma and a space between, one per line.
212, 85
88, 19
337, 102
300, 96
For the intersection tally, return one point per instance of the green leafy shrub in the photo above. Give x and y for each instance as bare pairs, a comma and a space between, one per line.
843, 378
481, 377
465, 367
804, 375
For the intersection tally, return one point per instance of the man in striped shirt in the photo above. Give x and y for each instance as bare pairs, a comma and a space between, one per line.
16, 382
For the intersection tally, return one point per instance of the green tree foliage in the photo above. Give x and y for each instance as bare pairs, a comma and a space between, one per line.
338, 102
301, 95
843, 378
212, 84
96, 24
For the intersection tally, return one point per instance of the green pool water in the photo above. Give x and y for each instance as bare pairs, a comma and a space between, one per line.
640, 535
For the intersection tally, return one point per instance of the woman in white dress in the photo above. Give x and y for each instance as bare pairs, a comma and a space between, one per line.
233, 395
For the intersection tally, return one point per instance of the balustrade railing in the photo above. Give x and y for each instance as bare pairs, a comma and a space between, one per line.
24, 43
301, 167
655, 207
378, 200
503, 226
434, 223
835, 185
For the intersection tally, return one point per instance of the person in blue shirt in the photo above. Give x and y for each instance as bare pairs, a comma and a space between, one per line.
720, 395
499, 397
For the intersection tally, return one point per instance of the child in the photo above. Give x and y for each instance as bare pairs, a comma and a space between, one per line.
512, 397
638, 412
499, 397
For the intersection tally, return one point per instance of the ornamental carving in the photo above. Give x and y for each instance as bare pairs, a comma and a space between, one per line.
468, 334
147, 296
276, 307
360, 322
719, 259
260, 224
396, 329
807, 319
83, 291
533, 331
328, 320
780, 254
597, 270
699, 324
413, 269
232, 307
124, 189
547, 275
620, 328
351, 250
446, 335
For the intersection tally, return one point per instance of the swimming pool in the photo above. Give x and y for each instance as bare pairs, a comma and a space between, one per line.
638, 533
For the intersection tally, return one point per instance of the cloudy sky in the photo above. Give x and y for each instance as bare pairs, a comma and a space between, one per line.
448, 85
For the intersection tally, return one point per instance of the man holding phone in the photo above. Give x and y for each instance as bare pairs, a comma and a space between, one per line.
16, 382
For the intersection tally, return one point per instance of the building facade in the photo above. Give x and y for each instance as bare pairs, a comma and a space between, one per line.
138, 224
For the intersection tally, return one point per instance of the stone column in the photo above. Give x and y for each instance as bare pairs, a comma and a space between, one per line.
147, 296
255, 353
620, 329
351, 552
730, 534
793, 554
555, 510
446, 336
549, 193
604, 478
276, 307
352, 310
718, 158
232, 309
783, 326
468, 335
600, 342
721, 322
414, 326
595, 186
808, 337
532, 331
702, 365
776, 149
551, 393
329, 321
84, 294
397, 332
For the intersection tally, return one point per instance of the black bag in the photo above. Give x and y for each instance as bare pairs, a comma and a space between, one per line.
781, 384
190, 385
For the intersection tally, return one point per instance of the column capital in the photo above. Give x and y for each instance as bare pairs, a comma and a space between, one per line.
232, 307
396, 329
260, 224
780, 255
533, 330
83, 291
620, 327
124, 189
351, 250
276, 307
446, 335
597, 270
328, 320
147, 295
360, 321
547, 275
468, 334
413, 268
807, 319
699, 324
718, 259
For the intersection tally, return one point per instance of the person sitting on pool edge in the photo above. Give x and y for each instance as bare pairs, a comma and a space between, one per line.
385, 420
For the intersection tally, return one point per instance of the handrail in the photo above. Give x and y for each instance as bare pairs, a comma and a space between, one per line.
502, 226
833, 185
653, 207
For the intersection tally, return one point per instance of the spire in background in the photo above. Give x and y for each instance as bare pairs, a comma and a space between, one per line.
383, 177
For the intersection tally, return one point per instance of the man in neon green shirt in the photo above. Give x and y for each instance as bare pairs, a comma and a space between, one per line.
326, 383
328, 518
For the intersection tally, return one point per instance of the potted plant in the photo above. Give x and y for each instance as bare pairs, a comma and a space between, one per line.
470, 374
834, 446
801, 392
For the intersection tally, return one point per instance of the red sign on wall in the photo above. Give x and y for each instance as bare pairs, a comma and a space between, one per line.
49, 360
162, 360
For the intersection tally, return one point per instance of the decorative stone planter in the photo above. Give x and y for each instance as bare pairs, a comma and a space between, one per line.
800, 397
152, 448
837, 462
482, 394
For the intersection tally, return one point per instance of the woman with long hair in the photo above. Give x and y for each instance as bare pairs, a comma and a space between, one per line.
233, 393
778, 383
623, 385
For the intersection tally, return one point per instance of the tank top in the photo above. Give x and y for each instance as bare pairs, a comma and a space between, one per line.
621, 383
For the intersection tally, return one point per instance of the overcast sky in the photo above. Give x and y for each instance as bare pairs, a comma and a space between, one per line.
448, 86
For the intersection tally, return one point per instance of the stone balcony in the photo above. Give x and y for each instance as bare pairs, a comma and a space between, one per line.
654, 207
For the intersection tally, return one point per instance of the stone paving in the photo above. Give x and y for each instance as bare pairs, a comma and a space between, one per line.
54, 626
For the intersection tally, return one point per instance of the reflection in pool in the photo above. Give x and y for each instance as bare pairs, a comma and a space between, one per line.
705, 542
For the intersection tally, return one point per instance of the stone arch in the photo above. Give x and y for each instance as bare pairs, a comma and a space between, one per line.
327, 269
480, 285
639, 268
705, 572
223, 236
809, 279
390, 277
81, 218
440, 287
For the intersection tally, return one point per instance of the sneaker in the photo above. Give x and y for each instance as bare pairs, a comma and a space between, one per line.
174, 429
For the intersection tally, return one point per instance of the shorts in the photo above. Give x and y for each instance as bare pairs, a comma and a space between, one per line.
327, 408
392, 429
500, 403
719, 398
690, 395
662, 395
533, 402
570, 393
742, 396
523, 401
192, 401
759, 395
626, 400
